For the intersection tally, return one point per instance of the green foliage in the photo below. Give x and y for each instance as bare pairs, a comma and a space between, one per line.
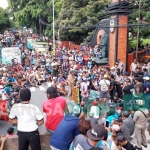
67, 13
80, 13
4, 20
144, 16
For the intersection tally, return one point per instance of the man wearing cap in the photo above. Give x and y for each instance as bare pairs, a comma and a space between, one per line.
124, 143
66, 131
140, 119
28, 117
54, 109
96, 134
104, 89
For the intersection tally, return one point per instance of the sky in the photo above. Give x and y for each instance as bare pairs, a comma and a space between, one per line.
3, 3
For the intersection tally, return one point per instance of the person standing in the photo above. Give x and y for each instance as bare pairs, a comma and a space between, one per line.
104, 89
27, 117
84, 90
54, 109
140, 119
70, 81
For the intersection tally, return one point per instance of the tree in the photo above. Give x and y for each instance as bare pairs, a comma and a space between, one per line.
4, 21
144, 17
80, 13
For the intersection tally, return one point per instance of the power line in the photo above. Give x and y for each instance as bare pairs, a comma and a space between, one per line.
94, 26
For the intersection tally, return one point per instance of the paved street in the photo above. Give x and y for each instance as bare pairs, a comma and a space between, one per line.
38, 97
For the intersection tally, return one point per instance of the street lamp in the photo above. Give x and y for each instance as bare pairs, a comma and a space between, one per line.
53, 28
138, 31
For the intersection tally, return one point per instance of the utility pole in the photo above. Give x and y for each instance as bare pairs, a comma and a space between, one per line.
138, 31
40, 26
53, 27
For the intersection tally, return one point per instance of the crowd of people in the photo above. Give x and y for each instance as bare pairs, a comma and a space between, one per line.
113, 107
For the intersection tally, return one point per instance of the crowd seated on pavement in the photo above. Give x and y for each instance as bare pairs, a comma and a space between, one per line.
113, 108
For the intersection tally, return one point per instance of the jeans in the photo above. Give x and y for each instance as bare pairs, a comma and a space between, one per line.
53, 148
29, 138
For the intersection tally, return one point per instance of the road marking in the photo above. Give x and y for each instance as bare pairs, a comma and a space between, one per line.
32, 89
42, 88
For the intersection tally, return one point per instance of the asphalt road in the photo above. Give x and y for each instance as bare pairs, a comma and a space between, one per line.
37, 98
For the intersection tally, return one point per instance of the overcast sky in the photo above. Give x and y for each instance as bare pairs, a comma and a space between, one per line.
3, 3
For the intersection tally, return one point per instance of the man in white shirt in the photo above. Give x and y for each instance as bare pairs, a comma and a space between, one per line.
133, 65
104, 89
27, 117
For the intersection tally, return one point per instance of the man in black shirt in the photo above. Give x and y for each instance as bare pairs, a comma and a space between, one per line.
124, 143
112, 87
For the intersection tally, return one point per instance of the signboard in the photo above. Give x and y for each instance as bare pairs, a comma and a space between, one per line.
112, 25
10, 53
75, 94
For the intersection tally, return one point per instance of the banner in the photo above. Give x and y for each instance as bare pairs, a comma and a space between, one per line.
75, 94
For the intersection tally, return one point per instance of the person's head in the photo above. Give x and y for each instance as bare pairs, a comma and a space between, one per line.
119, 121
84, 126
125, 114
51, 92
96, 133
121, 140
115, 128
25, 94
137, 69
137, 79
10, 131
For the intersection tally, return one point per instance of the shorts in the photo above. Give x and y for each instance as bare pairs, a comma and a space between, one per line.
104, 94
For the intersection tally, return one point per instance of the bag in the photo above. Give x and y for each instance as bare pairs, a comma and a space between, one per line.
143, 113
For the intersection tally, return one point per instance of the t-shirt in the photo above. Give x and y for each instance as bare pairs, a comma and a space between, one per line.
130, 124
26, 114
104, 85
54, 109
128, 89
81, 143
129, 146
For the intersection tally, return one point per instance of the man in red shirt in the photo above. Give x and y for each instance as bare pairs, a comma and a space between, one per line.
54, 108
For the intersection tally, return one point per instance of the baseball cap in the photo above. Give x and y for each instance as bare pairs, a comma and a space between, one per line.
120, 138
97, 132
95, 103
146, 78
51, 90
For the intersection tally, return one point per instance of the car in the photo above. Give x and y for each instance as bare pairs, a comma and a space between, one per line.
41, 47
